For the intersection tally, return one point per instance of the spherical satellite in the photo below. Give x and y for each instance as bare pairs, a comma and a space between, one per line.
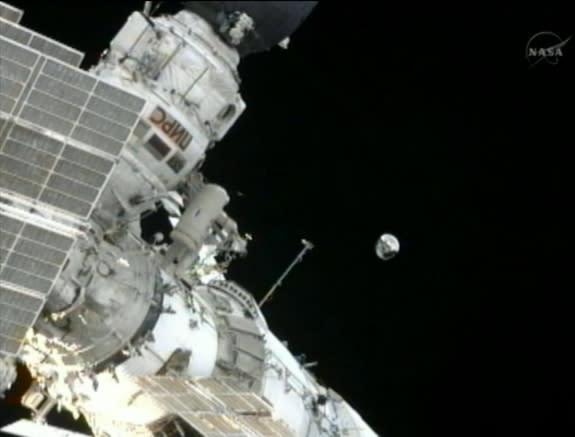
387, 247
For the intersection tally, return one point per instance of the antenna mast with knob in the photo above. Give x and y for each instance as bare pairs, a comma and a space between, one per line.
307, 246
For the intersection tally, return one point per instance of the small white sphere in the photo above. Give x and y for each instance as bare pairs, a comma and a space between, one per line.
387, 247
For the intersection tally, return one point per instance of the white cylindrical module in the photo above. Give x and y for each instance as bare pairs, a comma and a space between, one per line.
180, 328
201, 211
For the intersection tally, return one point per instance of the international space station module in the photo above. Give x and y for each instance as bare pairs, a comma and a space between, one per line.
142, 337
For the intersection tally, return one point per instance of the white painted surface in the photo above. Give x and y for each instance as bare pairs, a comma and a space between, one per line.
27, 428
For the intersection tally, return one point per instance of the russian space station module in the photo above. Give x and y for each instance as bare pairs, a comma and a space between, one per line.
143, 337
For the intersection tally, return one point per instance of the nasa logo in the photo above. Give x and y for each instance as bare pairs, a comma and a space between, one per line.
546, 46
171, 127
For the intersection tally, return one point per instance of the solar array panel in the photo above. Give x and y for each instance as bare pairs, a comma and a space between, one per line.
31, 258
47, 170
10, 13
234, 397
215, 408
13, 31
61, 132
92, 118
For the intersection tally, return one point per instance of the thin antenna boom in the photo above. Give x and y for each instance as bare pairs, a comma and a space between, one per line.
307, 246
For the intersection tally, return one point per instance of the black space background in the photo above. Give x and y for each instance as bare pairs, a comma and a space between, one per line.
428, 124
